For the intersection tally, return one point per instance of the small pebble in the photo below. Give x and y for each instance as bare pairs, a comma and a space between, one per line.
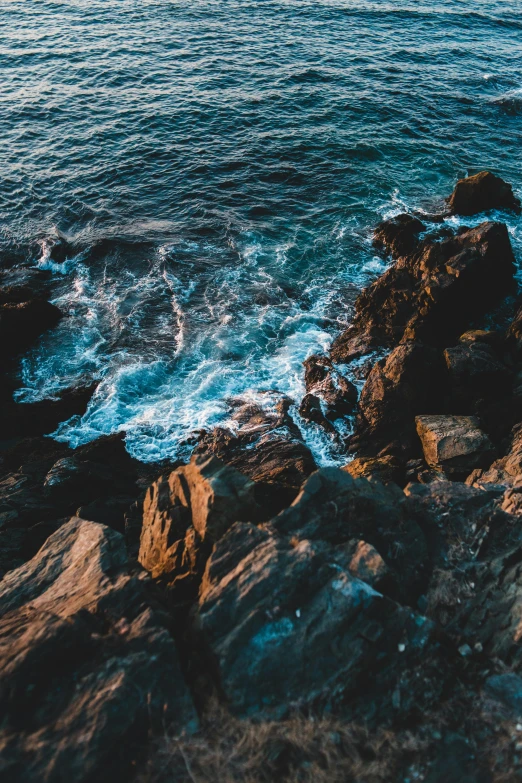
402, 647
465, 650
298, 613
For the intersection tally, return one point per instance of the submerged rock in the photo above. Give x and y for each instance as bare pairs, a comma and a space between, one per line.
482, 192
88, 667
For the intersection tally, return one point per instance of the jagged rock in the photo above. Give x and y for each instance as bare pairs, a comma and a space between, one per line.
504, 471
433, 294
88, 667
336, 508
291, 629
311, 411
185, 513
482, 192
22, 322
266, 446
507, 688
386, 469
324, 381
399, 235
409, 381
453, 444
367, 564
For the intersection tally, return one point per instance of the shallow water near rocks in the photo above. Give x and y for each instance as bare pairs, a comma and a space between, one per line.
220, 167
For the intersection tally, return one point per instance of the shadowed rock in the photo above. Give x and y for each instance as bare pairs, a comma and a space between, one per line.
87, 665
399, 235
482, 192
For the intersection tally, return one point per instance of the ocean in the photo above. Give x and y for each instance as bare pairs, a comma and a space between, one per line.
218, 168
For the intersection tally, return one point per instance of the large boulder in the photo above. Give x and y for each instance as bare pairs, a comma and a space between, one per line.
399, 235
87, 667
289, 629
187, 512
476, 375
433, 294
453, 444
482, 192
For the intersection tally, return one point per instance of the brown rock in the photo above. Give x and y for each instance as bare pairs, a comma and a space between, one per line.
185, 513
432, 295
453, 444
482, 192
386, 469
87, 667
399, 235
324, 381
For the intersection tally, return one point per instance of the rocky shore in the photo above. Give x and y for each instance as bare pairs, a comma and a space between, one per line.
249, 617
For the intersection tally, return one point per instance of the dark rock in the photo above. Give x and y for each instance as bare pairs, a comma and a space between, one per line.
88, 667
507, 688
399, 235
480, 193
433, 294
476, 375
410, 381
267, 447
336, 508
21, 323
269, 609
42, 418
185, 513
311, 411
505, 471
339, 395
453, 444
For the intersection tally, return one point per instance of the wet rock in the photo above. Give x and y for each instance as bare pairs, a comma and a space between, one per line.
409, 381
399, 235
433, 294
268, 609
453, 444
265, 445
88, 668
22, 322
42, 418
185, 513
482, 192
339, 395
335, 508
311, 411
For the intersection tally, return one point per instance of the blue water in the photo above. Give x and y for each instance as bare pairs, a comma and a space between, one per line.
219, 166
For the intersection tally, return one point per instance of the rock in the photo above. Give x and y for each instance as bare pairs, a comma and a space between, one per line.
507, 688
266, 446
311, 411
367, 565
482, 192
335, 508
186, 513
453, 444
289, 629
88, 668
505, 471
476, 375
399, 235
386, 469
21, 323
408, 382
433, 294
324, 381
42, 418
